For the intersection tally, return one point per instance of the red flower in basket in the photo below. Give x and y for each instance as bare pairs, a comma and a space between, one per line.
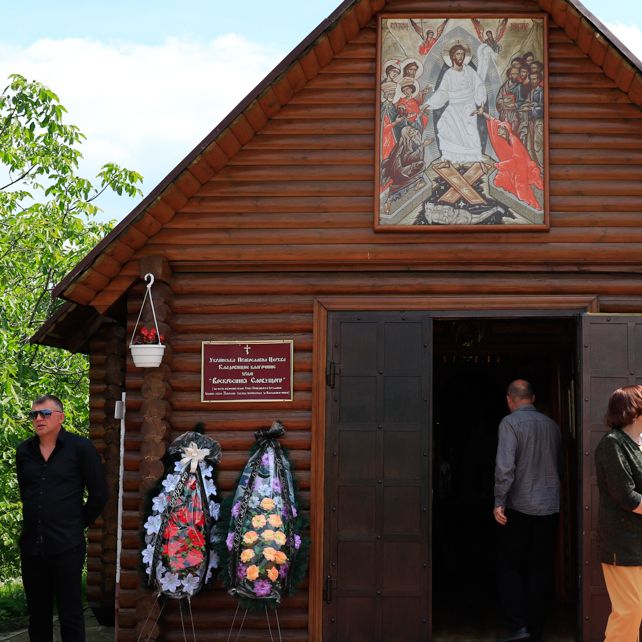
146, 336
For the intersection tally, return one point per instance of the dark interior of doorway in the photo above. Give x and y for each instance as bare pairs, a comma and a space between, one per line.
474, 361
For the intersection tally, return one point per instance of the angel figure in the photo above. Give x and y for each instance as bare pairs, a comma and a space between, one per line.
430, 38
491, 40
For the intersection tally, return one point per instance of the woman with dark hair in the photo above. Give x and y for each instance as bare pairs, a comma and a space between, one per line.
618, 460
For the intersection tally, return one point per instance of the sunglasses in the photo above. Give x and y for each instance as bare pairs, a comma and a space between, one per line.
45, 414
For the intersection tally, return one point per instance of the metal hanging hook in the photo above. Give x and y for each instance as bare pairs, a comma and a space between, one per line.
149, 276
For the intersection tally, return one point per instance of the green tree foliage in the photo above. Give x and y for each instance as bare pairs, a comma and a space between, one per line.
47, 224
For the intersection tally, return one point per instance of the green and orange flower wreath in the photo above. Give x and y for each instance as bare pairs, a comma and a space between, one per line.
262, 546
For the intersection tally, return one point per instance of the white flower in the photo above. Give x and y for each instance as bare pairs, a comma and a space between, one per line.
159, 502
178, 467
254, 501
148, 557
211, 566
214, 537
191, 583
153, 524
215, 509
210, 487
206, 469
170, 582
169, 483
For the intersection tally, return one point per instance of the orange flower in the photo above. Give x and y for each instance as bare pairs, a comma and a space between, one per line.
269, 553
267, 503
280, 558
275, 520
250, 537
268, 535
273, 574
252, 572
247, 555
258, 521
280, 538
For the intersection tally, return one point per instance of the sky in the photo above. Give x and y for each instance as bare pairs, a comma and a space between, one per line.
147, 80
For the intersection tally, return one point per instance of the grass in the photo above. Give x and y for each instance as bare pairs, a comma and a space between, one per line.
13, 606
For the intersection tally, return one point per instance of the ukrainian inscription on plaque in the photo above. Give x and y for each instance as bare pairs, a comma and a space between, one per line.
246, 371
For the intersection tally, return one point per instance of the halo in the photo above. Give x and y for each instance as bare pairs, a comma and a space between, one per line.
445, 54
420, 65
392, 61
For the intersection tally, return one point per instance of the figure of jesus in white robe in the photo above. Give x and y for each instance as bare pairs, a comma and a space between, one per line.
463, 91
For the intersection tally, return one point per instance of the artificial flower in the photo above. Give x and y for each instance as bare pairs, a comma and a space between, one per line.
258, 521
275, 520
269, 553
191, 583
196, 537
262, 588
268, 535
153, 524
194, 557
280, 557
170, 582
280, 538
250, 537
267, 503
247, 555
159, 502
273, 574
252, 572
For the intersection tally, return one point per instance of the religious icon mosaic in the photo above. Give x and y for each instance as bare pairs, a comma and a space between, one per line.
461, 123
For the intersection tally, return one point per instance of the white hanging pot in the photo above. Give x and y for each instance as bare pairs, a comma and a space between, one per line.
144, 353
147, 355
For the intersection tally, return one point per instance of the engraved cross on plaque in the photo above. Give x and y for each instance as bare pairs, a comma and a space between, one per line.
247, 348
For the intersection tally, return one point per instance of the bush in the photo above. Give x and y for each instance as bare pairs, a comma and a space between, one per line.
13, 606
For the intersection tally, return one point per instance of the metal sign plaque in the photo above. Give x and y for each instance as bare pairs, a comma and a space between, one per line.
246, 371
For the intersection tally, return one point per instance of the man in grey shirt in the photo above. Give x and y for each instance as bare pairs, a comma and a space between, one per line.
527, 504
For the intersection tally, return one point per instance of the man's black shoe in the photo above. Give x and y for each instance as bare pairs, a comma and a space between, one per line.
519, 634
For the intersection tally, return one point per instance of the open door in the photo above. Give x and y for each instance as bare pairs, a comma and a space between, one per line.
378, 478
611, 358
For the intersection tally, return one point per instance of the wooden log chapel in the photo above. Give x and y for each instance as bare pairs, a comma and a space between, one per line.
279, 226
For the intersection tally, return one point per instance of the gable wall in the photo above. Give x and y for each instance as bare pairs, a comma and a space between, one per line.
299, 195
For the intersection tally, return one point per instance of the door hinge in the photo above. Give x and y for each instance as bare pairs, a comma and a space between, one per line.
327, 589
331, 374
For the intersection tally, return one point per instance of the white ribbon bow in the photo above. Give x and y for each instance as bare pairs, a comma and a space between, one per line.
193, 455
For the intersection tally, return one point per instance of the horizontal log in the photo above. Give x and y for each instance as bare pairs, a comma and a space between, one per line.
612, 97
320, 126
594, 156
265, 140
451, 7
238, 305
279, 203
304, 171
327, 111
581, 112
586, 81
333, 96
514, 251
297, 156
593, 141
574, 125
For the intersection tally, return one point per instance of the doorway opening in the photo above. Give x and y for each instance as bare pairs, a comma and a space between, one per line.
474, 361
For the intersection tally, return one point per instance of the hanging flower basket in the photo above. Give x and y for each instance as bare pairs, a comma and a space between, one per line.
147, 355
146, 343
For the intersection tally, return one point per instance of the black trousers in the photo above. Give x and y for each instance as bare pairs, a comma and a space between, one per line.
54, 576
525, 569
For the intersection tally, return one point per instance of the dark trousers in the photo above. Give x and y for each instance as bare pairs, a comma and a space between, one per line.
54, 576
525, 569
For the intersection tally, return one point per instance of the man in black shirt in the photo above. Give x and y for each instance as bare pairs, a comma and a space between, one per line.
54, 467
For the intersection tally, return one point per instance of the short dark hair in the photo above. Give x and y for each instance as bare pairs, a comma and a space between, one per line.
625, 404
44, 398
520, 389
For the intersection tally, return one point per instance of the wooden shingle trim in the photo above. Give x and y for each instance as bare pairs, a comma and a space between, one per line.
215, 156
229, 143
598, 49
133, 237
147, 225
242, 130
107, 265
269, 102
635, 91
546, 5
612, 62
324, 51
119, 251
585, 36
572, 23
201, 170
363, 12
256, 116
558, 12
296, 77
310, 65
94, 280
283, 90
337, 38
161, 211
625, 76
174, 197
350, 24
80, 293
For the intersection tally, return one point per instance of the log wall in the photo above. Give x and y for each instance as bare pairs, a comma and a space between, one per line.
289, 219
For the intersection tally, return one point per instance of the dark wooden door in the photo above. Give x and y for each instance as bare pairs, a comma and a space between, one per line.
377, 471
611, 358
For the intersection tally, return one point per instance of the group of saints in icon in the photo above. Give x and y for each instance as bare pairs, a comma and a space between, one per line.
461, 138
